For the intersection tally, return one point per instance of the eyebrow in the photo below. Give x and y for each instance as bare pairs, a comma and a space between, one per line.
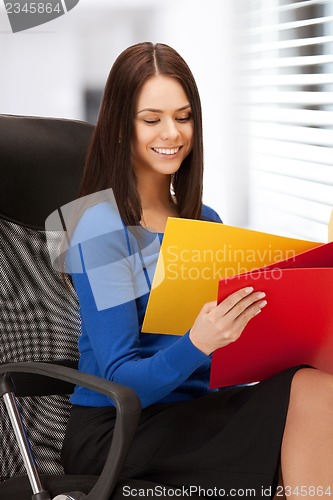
153, 110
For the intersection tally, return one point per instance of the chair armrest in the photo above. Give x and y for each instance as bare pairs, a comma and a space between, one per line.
127, 406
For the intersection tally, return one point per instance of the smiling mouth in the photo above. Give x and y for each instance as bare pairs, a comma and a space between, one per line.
167, 151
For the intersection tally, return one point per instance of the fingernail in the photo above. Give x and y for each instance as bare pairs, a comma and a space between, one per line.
261, 295
249, 289
262, 303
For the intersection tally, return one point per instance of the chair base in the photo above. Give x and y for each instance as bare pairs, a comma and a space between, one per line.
18, 487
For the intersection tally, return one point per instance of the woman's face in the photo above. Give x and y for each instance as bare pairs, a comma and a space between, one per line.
163, 127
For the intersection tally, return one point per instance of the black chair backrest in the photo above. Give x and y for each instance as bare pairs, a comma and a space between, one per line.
41, 162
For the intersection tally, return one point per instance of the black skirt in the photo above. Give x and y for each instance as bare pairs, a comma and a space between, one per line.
227, 442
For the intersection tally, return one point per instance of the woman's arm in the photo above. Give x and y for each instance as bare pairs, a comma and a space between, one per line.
109, 283
109, 280
114, 337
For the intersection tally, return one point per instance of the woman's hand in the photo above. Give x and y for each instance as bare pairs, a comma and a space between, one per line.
219, 325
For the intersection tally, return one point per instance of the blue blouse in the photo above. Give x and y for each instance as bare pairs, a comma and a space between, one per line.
112, 267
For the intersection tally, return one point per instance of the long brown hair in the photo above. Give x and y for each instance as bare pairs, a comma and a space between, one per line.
108, 162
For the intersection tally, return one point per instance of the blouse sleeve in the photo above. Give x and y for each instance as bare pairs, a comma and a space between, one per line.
108, 278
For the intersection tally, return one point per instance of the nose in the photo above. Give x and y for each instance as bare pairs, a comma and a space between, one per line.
170, 130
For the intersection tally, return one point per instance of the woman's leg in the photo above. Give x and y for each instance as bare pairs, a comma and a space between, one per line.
307, 446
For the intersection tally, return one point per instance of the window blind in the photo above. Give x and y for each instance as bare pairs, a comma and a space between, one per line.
287, 104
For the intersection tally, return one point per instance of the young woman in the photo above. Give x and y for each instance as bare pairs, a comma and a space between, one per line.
146, 151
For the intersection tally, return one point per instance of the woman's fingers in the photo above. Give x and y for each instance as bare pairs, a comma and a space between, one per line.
237, 302
248, 305
240, 322
218, 325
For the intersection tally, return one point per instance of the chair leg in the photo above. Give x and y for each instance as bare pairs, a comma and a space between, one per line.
39, 493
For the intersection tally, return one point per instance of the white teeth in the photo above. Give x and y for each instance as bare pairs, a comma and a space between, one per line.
163, 151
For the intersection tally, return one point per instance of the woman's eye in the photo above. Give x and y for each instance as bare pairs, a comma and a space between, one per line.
184, 119
151, 122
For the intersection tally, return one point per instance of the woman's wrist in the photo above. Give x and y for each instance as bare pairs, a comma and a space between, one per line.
199, 345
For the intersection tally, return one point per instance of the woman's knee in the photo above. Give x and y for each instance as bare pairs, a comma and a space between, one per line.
312, 391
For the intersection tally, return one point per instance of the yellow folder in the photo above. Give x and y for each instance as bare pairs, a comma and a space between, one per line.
194, 255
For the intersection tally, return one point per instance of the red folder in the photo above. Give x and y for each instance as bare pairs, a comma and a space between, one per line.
295, 327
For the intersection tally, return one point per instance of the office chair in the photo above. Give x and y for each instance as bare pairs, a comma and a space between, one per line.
40, 167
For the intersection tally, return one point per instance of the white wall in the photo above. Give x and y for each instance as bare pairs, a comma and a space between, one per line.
40, 75
45, 70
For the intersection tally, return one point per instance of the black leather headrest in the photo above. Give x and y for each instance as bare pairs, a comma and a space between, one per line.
41, 162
